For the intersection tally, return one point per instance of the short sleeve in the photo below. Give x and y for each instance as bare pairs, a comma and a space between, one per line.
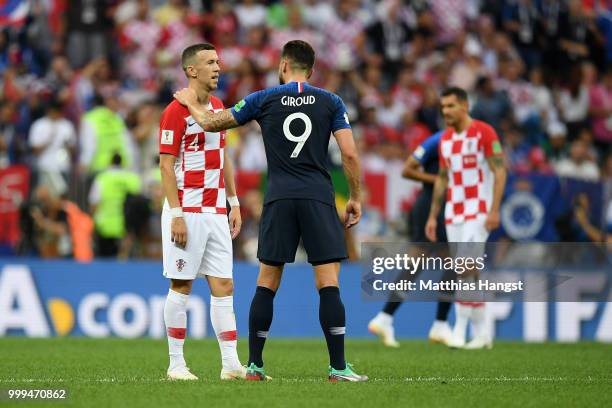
490, 142
248, 108
340, 118
426, 150
171, 129
441, 159
38, 135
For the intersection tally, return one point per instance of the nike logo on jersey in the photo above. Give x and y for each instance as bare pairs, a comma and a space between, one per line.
190, 124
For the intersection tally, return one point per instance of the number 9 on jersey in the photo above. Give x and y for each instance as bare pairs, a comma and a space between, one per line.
300, 140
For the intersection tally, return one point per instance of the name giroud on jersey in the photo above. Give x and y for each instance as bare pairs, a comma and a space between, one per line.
298, 101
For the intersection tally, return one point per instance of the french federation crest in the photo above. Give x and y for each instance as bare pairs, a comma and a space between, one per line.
180, 264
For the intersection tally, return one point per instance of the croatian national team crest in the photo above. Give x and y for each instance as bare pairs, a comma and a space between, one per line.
180, 264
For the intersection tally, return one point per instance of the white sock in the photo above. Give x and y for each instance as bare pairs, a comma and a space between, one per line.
224, 323
478, 321
175, 318
385, 318
462, 316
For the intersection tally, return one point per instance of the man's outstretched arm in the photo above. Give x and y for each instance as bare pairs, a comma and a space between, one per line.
209, 121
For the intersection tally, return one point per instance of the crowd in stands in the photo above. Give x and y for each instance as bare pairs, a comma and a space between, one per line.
83, 83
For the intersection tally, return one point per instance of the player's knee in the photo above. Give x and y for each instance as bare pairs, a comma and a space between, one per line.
226, 287
181, 286
269, 282
324, 281
221, 287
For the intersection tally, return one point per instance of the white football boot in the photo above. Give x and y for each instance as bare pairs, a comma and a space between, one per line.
479, 342
382, 326
181, 374
440, 332
235, 374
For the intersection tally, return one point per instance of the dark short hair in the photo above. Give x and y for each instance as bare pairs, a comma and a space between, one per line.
54, 105
300, 54
97, 100
458, 92
191, 51
116, 160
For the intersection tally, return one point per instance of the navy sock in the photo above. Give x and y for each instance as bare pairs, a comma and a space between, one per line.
333, 322
391, 307
260, 319
443, 309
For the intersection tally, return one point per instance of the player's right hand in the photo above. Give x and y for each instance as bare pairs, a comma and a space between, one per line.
178, 232
430, 229
352, 213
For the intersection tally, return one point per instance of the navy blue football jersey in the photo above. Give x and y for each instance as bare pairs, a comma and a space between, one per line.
296, 121
427, 155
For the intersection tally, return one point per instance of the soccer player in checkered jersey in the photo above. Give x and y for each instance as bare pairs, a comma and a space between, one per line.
471, 179
297, 120
196, 235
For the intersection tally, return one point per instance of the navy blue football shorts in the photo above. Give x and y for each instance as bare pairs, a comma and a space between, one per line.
284, 222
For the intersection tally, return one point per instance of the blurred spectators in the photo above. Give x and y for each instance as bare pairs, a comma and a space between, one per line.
107, 199
491, 106
50, 230
556, 148
600, 106
579, 164
9, 143
53, 142
88, 26
537, 71
103, 133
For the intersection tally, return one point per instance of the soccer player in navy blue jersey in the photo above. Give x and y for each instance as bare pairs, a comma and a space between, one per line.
297, 121
421, 165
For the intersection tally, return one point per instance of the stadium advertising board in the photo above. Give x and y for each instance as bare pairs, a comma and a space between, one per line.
103, 299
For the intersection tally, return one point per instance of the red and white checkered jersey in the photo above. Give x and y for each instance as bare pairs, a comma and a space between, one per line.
470, 180
199, 158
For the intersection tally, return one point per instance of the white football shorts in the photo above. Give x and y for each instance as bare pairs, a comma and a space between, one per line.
208, 250
469, 237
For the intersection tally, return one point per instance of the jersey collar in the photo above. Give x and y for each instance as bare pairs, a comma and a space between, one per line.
299, 85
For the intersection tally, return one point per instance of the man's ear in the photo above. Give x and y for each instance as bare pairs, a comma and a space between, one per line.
191, 71
309, 73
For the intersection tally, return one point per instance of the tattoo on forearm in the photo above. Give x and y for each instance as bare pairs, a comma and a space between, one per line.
439, 191
221, 120
213, 122
496, 161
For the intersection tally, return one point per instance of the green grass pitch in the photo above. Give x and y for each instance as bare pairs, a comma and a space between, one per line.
130, 373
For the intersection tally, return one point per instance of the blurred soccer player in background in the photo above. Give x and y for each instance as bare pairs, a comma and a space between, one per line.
471, 181
197, 240
421, 165
297, 120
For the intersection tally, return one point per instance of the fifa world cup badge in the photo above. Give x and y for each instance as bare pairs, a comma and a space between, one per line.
180, 264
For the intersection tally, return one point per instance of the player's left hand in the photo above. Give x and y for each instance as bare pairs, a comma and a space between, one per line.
352, 213
235, 221
186, 96
492, 221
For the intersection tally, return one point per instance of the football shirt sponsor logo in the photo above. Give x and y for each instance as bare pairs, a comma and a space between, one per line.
469, 161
